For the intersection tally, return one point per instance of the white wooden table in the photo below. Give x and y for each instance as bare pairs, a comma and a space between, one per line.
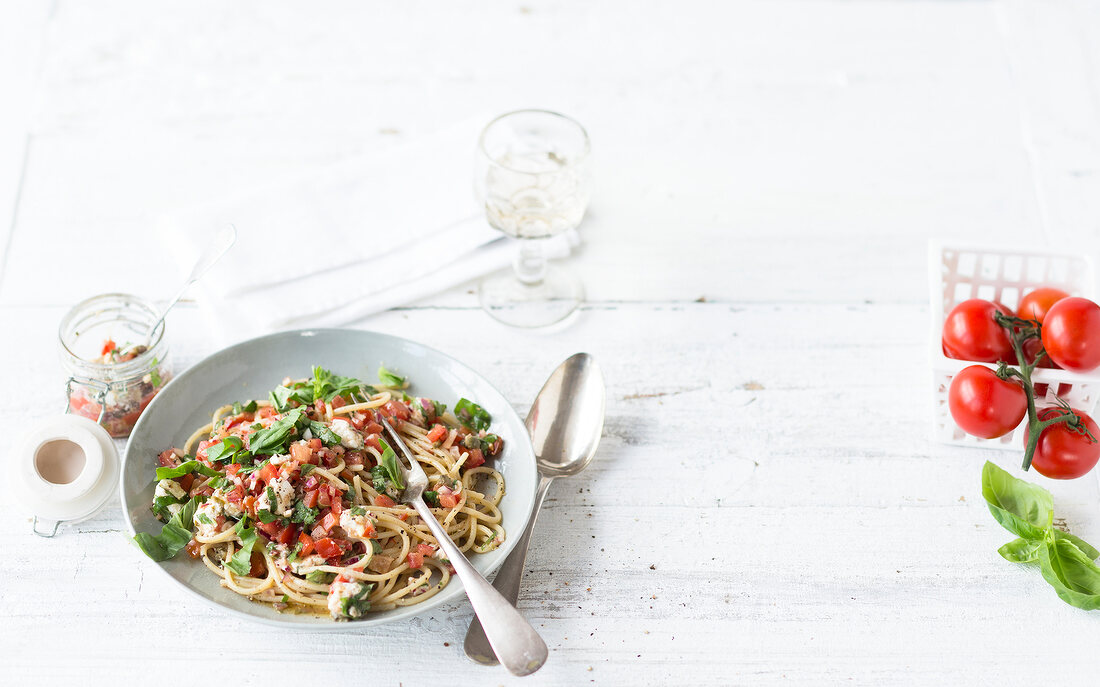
766, 506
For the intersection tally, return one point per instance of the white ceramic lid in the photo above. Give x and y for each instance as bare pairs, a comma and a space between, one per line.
91, 485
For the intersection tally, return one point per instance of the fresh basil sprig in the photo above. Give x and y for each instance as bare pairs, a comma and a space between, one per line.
241, 562
472, 415
322, 432
273, 440
186, 468
1066, 561
173, 536
389, 378
389, 464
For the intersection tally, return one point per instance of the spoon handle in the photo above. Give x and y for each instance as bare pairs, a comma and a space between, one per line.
506, 582
521, 649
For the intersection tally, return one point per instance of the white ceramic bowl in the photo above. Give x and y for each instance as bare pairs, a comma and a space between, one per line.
249, 370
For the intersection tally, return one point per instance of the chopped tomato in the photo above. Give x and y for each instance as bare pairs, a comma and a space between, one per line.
355, 458
437, 433
287, 534
259, 565
338, 401
268, 472
271, 529
395, 409
203, 445
311, 497
131, 418
425, 549
319, 406
249, 505
373, 428
186, 481
307, 544
384, 501
300, 452
315, 443
108, 346
326, 523
232, 468
289, 467
169, 459
325, 500
475, 459
371, 441
265, 412
447, 500
193, 549
416, 560
328, 547
235, 495
337, 505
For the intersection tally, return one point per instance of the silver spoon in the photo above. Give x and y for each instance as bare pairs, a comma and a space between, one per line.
565, 424
222, 242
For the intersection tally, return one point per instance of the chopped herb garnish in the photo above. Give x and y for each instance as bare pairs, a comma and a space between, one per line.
186, 468
472, 415
304, 515
432, 497
389, 464
273, 440
389, 378
241, 562
324, 433
173, 536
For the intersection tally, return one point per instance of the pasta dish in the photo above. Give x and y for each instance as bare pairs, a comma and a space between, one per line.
295, 500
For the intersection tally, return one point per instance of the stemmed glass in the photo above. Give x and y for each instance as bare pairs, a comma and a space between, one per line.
532, 175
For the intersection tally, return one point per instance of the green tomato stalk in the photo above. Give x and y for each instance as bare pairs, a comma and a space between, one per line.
1019, 332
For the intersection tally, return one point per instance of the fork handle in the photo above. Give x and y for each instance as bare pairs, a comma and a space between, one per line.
511, 637
507, 582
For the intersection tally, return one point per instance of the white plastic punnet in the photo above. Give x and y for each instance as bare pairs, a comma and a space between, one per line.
957, 272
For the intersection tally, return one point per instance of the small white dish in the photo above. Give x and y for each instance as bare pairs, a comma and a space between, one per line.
68, 469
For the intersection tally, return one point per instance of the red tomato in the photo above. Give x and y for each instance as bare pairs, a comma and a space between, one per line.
1071, 334
287, 535
395, 409
108, 346
301, 452
475, 459
307, 544
169, 459
437, 433
328, 547
315, 444
384, 501
337, 505
971, 333
329, 521
338, 401
271, 529
373, 428
416, 560
311, 497
269, 472
447, 500
249, 505
425, 549
1035, 305
259, 565
194, 549
232, 468
1062, 451
186, 481
983, 404
235, 495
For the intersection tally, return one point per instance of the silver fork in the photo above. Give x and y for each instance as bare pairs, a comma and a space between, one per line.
515, 642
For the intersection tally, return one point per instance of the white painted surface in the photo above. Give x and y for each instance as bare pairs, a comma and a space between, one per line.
766, 506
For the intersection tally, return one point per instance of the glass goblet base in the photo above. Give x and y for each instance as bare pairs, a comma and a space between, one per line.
520, 304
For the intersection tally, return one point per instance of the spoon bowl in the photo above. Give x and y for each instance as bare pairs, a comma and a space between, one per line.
566, 420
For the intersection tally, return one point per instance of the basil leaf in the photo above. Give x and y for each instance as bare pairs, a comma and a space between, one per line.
327, 385
320, 577
307, 468
241, 562
375, 546
322, 432
378, 477
237, 408
266, 516
186, 468
161, 503
224, 449
389, 378
1025, 509
173, 536
472, 415
1075, 578
357, 602
389, 464
272, 440
1021, 550
250, 407
432, 497
1086, 548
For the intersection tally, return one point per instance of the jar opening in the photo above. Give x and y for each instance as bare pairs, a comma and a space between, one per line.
119, 317
60, 461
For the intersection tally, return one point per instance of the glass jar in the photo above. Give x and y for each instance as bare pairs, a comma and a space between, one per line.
112, 391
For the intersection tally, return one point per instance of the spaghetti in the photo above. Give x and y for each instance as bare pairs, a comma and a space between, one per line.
294, 501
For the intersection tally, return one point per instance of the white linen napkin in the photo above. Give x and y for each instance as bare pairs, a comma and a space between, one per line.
362, 237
